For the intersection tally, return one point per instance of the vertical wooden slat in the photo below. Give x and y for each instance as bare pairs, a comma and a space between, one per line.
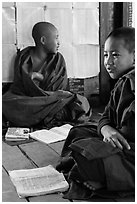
127, 13
106, 25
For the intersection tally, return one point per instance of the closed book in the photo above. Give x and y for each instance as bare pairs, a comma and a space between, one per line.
16, 133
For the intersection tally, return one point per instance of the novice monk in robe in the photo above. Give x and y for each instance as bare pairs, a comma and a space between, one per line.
104, 158
39, 92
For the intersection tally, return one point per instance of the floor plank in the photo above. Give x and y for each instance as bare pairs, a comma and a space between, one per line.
12, 158
40, 153
57, 146
126, 199
9, 193
48, 198
11, 197
95, 200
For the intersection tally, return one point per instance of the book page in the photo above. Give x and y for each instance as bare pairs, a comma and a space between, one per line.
53, 135
62, 130
39, 181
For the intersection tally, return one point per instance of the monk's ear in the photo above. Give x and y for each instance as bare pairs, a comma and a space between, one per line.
43, 40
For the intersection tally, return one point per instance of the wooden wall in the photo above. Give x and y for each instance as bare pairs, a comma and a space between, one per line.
112, 15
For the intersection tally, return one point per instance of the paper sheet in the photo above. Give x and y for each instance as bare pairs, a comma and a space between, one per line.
86, 26
85, 5
8, 25
39, 181
58, 5
62, 19
47, 5
25, 5
85, 61
24, 25
8, 58
67, 51
7, 4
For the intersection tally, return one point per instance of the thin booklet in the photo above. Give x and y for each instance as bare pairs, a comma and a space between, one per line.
38, 181
52, 135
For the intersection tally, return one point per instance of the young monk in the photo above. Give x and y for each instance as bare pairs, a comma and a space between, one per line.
105, 159
39, 93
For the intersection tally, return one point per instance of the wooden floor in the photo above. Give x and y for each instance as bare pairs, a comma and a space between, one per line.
26, 156
32, 155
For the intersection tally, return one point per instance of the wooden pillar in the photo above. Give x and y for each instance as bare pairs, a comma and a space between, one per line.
112, 15
118, 15
106, 25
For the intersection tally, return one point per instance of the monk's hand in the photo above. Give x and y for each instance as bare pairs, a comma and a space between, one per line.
38, 76
62, 93
113, 137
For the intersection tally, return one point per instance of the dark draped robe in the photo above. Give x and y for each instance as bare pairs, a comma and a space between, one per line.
32, 100
85, 157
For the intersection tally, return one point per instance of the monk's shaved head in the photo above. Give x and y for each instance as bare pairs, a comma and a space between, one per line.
42, 29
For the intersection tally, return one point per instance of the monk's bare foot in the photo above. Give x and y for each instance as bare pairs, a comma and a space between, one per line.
92, 185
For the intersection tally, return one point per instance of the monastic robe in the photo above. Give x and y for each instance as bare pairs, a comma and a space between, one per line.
32, 99
85, 157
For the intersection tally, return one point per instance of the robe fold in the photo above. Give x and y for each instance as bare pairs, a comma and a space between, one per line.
34, 97
85, 157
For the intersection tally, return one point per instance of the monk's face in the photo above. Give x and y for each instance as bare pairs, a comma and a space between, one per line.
51, 41
117, 58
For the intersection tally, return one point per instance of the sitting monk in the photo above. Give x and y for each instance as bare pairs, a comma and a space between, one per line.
102, 160
39, 92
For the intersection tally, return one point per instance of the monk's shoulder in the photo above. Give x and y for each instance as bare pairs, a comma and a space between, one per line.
25, 50
127, 79
60, 57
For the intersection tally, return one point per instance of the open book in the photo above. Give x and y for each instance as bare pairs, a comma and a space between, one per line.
53, 135
38, 181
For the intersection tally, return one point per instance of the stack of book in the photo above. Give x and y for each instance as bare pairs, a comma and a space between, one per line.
17, 134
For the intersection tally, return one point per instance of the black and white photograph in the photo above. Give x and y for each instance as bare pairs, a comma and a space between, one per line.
68, 101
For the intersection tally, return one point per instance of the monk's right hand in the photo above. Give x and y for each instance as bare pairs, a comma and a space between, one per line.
113, 136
